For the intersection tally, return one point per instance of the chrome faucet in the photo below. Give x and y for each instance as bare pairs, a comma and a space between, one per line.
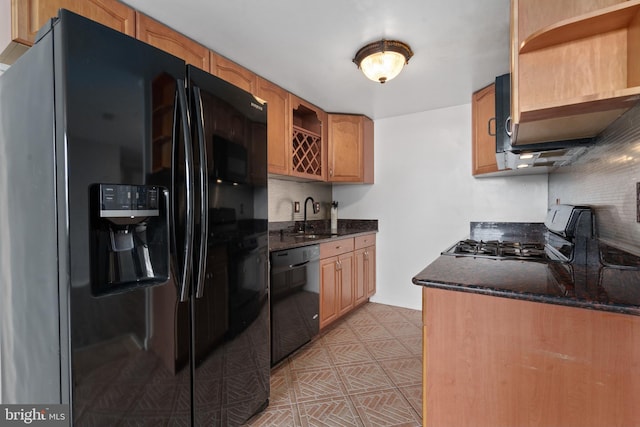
316, 208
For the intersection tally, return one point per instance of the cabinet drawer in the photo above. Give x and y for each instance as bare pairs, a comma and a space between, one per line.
336, 247
365, 241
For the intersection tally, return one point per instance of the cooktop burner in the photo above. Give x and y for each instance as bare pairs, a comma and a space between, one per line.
503, 250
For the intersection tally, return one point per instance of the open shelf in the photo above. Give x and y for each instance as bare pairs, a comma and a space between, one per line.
308, 151
573, 78
621, 99
590, 24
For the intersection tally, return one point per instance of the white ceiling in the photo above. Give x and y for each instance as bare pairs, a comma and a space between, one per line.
307, 46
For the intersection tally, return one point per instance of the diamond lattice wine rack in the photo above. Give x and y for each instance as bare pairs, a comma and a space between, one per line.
306, 146
307, 152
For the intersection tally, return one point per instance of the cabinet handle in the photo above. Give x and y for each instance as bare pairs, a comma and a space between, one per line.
492, 119
366, 255
507, 127
330, 172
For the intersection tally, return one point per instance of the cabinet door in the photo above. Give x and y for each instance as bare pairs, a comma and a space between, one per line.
365, 274
278, 136
360, 277
233, 73
159, 35
30, 15
345, 147
370, 270
483, 143
328, 291
345, 283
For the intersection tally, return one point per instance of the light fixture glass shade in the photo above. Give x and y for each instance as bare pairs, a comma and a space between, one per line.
382, 66
383, 60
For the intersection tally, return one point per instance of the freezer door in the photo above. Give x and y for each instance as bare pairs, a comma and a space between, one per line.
231, 305
122, 127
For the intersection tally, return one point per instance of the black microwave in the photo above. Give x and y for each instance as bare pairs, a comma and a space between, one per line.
547, 153
229, 161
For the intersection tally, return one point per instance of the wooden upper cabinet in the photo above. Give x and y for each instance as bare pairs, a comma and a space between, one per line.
575, 66
308, 140
350, 148
278, 125
23, 19
159, 35
30, 15
233, 73
483, 128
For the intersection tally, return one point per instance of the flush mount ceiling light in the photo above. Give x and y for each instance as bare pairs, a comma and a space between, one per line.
383, 60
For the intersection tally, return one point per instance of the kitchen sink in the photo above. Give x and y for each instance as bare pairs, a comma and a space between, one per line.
313, 236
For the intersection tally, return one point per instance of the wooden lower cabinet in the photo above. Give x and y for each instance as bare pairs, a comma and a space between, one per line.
344, 274
491, 361
336, 287
365, 268
328, 291
347, 276
370, 270
360, 280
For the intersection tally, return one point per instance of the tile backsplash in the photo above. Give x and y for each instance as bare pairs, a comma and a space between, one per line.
606, 178
283, 193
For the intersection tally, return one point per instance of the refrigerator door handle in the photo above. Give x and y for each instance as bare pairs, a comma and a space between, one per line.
189, 200
204, 192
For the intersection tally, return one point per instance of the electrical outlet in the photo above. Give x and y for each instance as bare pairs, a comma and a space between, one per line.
296, 207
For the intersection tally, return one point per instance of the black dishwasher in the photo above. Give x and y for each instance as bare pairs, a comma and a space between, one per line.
295, 302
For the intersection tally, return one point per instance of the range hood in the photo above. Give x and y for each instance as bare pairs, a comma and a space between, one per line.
547, 155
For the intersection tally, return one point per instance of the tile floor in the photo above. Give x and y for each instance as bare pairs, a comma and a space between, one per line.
365, 370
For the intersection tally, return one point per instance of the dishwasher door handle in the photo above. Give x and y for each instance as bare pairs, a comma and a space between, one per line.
299, 264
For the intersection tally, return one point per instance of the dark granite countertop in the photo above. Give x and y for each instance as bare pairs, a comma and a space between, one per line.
284, 235
599, 286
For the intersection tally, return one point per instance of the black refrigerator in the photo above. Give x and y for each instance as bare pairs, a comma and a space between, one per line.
134, 238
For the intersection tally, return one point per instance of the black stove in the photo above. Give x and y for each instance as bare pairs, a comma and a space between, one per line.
566, 229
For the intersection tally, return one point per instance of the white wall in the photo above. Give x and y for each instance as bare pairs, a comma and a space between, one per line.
424, 196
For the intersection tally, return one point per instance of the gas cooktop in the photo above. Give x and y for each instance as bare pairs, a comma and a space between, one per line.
563, 224
530, 251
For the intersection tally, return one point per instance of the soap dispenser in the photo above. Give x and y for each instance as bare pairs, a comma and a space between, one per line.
334, 217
